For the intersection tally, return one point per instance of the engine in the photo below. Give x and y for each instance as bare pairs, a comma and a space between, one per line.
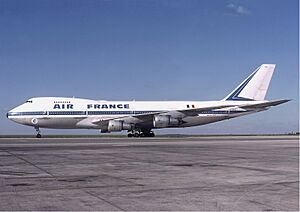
160, 121
115, 125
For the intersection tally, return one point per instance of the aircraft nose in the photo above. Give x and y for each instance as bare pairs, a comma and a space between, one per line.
8, 115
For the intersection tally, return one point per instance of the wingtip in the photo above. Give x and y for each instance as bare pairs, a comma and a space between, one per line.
281, 101
286, 100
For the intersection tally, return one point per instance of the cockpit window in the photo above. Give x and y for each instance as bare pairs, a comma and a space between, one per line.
28, 101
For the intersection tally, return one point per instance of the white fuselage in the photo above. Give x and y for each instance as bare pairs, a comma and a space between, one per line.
74, 113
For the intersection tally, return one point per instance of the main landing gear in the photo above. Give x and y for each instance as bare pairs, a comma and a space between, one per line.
38, 135
140, 133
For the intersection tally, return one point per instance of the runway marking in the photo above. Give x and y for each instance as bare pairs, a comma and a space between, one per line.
110, 203
27, 161
67, 187
15, 173
247, 193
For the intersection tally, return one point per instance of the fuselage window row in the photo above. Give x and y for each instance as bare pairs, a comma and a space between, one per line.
40, 113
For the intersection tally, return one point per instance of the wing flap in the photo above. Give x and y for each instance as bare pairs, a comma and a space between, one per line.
196, 111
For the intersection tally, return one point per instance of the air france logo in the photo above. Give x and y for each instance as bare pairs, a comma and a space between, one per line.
93, 106
63, 106
107, 106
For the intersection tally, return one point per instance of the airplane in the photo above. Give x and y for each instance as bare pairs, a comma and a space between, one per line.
139, 118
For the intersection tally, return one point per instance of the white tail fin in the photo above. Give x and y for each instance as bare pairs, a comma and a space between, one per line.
255, 86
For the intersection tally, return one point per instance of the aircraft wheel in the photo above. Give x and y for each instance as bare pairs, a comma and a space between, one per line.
130, 135
148, 134
38, 135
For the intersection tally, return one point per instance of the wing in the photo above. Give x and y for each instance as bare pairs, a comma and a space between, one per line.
263, 105
146, 117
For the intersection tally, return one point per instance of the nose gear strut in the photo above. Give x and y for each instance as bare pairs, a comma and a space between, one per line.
38, 135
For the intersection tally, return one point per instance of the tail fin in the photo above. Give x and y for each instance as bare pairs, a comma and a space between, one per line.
255, 86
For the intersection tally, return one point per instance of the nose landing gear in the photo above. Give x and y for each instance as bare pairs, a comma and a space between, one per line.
38, 135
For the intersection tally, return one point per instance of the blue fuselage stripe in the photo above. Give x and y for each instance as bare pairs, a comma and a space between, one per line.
235, 94
84, 113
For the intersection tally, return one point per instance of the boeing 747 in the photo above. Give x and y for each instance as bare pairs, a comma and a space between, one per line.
140, 117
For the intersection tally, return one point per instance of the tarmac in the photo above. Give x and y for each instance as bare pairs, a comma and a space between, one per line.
125, 174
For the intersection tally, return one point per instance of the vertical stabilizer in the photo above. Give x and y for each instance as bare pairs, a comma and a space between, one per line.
255, 86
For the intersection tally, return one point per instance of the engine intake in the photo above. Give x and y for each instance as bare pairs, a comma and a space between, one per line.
160, 121
116, 125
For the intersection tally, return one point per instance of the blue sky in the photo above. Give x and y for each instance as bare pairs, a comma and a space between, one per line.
149, 50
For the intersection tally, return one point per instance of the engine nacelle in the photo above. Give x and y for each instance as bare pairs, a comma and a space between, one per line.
116, 125
161, 121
